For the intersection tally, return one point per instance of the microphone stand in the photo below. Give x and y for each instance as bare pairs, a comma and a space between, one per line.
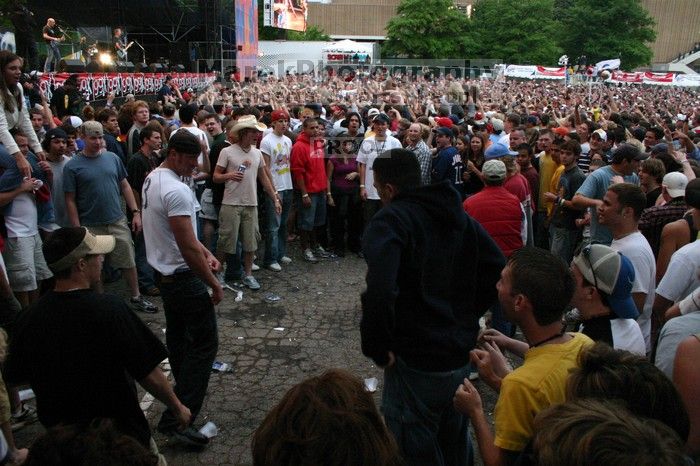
143, 51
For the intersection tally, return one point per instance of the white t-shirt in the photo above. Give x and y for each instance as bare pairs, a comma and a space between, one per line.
57, 195
243, 193
278, 148
681, 277
21, 218
628, 336
368, 153
199, 134
636, 248
164, 195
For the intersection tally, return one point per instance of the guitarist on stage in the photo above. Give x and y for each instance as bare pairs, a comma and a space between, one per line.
118, 45
52, 37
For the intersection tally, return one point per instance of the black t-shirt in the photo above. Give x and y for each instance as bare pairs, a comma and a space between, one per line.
51, 32
116, 40
81, 352
217, 188
652, 196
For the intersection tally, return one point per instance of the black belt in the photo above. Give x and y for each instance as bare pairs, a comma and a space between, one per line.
176, 276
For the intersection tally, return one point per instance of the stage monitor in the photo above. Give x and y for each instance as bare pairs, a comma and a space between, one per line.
157, 67
177, 68
68, 65
285, 14
141, 68
125, 66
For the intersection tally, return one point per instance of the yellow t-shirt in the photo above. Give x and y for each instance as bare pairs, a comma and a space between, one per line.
539, 383
554, 187
547, 168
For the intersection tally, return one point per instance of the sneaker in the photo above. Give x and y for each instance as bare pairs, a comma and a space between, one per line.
320, 252
255, 267
26, 416
275, 267
220, 278
309, 256
189, 436
286, 260
251, 282
141, 305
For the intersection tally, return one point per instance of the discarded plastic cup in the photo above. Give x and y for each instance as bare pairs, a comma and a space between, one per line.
239, 296
219, 366
371, 384
209, 430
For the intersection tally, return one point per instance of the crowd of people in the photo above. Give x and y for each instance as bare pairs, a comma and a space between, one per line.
542, 206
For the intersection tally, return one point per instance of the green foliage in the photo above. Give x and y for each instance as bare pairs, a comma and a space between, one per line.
516, 31
523, 31
603, 29
311, 33
427, 29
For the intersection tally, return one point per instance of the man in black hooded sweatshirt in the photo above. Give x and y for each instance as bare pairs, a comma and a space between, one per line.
432, 272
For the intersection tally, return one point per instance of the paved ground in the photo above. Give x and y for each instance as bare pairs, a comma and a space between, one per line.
272, 346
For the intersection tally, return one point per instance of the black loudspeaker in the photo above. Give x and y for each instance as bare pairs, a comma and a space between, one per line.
71, 66
93, 67
178, 68
141, 68
125, 66
157, 67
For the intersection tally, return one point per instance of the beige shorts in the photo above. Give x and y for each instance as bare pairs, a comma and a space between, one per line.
123, 255
234, 219
25, 264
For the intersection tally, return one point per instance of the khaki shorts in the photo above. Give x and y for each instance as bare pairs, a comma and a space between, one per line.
235, 218
123, 255
25, 263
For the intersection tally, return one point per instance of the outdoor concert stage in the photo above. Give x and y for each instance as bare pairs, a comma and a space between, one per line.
97, 86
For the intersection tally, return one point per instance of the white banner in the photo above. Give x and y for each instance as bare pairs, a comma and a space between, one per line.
687, 80
520, 71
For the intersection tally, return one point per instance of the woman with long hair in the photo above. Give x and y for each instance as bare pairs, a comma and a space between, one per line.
474, 158
14, 116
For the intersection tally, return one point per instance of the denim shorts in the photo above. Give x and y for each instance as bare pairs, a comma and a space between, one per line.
312, 216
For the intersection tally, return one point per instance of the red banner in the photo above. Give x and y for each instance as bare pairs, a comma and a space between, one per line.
555, 72
96, 86
623, 77
666, 78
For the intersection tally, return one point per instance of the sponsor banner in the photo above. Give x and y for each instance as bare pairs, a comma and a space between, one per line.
622, 77
519, 71
96, 86
550, 73
613, 64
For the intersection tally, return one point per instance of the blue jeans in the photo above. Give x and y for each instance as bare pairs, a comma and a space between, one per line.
143, 268
192, 340
563, 242
418, 410
53, 55
276, 225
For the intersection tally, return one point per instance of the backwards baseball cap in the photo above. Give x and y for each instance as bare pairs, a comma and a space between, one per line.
92, 128
381, 118
497, 150
497, 124
494, 170
479, 119
68, 245
55, 133
279, 115
675, 184
611, 273
692, 193
372, 112
444, 121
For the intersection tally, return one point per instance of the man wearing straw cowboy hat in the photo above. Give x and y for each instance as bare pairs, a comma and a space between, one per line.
239, 166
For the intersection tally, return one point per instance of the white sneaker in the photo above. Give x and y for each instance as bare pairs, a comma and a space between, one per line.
251, 282
255, 267
320, 252
275, 267
309, 256
286, 260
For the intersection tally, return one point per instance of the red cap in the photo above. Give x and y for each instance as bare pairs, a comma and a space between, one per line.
561, 131
279, 115
444, 121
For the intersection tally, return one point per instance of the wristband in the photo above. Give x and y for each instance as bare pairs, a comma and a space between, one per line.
305, 195
362, 186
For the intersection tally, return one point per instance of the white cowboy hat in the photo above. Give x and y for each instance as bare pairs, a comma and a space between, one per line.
247, 121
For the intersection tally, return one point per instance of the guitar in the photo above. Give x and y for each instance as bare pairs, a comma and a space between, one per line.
121, 53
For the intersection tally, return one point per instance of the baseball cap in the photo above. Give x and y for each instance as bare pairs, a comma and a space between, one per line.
601, 134
497, 124
445, 131
497, 150
692, 193
494, 170
675, 184
279, 115
92, 128
479, 119
372, 112
611, 273
561, 131
381, 118
68, 245
55, 133
444, 122
74, 121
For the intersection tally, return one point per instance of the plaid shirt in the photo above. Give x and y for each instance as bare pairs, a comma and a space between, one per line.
655, 218
422, 153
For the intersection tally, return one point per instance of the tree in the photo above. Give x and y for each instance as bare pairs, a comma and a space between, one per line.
603, 29
427, 29
311, 33
516, 31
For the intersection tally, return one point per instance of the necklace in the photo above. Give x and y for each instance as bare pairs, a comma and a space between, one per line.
547, 340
